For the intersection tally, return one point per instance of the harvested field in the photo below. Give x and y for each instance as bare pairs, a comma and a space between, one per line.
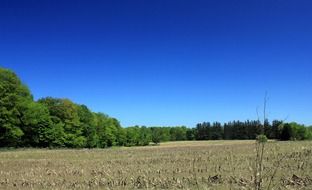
174, 165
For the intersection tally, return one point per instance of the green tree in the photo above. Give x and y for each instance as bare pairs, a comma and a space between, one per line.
121, 137
36, 123
13, 96
133, 136
107, 130
88, 124
65, 112
299, 131
191, 134
55, 136
145, 136
156, 135
308, 135
178, 133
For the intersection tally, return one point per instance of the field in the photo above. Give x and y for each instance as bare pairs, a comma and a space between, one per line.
175, 165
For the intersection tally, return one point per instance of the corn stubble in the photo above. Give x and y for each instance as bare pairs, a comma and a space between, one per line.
184, 165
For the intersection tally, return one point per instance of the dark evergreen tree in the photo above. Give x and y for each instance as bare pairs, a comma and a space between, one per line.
287, 132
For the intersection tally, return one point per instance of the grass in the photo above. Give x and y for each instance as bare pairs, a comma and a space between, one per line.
175, 165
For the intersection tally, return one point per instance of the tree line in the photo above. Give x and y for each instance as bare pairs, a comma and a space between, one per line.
235, 130
59, 122
50, 122
250, 129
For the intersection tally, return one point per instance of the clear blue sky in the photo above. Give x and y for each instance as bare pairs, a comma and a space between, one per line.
165, 62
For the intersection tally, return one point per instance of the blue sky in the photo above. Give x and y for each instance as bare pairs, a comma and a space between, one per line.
165, 62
